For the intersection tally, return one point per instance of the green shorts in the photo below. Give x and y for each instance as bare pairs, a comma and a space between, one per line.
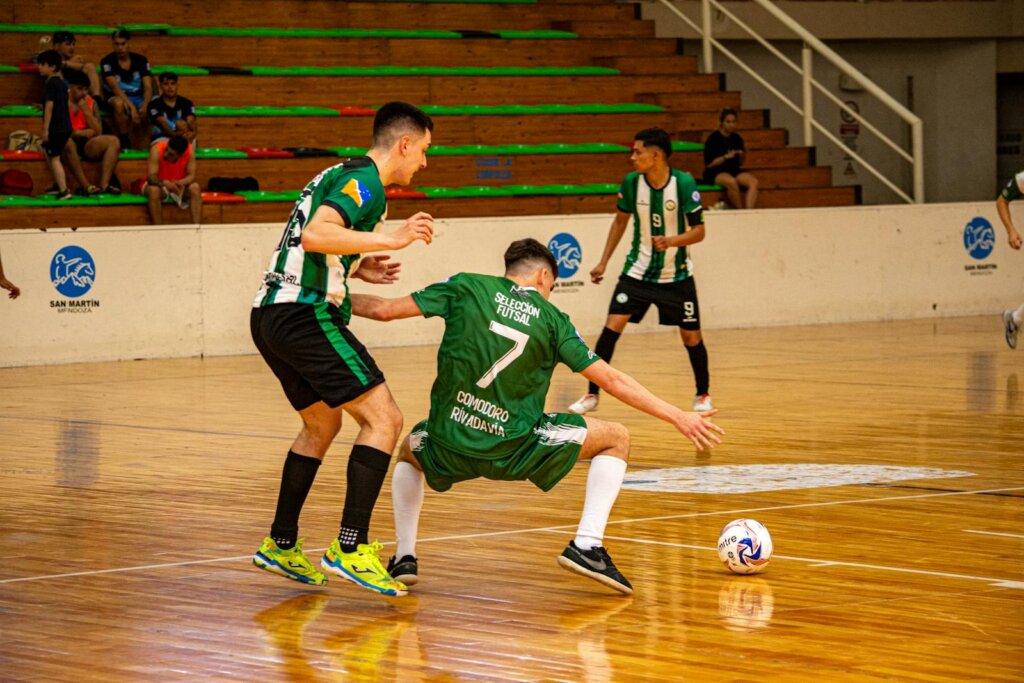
543, 456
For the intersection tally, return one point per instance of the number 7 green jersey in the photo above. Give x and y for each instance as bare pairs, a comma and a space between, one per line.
501, 344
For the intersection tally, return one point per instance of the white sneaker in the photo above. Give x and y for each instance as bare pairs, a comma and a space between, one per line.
587, 403
702, 403
1012, 329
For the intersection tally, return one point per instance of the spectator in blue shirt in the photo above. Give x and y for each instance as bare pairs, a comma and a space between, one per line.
128, 87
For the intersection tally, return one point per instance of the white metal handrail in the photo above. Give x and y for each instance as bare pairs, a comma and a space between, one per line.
812, 44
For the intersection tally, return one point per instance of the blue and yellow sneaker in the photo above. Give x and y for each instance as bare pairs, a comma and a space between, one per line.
362, 567
291, 563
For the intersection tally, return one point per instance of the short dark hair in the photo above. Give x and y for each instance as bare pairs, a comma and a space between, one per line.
63, 37
76, 78
168, 76
121, 33
50, 58
396, 118
178, 143
526, 251
725, 112
655, 137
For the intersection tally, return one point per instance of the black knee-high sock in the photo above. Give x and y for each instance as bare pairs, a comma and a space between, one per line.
605, 348
367, 467
296, 480
699, 362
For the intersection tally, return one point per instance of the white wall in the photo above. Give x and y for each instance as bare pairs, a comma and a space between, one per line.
186, 291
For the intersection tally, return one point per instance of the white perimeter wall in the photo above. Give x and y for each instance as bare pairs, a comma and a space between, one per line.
186, 290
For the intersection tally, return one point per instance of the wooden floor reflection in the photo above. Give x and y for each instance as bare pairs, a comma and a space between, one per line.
134, 493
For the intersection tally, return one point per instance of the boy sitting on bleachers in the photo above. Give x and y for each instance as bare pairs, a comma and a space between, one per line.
88, 138
171, 175
171, 113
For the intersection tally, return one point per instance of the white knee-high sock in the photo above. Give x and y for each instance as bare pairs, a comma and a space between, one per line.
407, 499
1018, 315
603, 483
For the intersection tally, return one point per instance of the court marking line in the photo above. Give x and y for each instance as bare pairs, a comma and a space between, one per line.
557, 528
1002, 583
992, 533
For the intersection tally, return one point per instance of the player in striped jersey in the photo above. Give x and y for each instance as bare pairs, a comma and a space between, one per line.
502, 341
299, 322
1012, 320
662, 202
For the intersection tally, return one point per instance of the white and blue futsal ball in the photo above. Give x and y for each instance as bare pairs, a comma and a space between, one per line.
745, 546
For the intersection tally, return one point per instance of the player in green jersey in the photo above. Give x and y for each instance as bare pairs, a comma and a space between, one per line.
658, 270
299, 323
502, 341
1012, 320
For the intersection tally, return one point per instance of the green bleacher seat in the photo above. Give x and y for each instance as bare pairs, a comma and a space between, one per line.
428, 71
262, 196
20, 110
265, 111
219, 153
231, 31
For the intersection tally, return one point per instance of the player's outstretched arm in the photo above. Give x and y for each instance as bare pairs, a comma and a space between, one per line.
694, 426
327, 233
380, 308
1003, 207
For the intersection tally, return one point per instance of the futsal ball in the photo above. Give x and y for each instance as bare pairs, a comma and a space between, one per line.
745, 546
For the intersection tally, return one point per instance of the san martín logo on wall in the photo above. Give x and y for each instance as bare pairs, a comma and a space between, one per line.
73, 273
979, 241
569, 254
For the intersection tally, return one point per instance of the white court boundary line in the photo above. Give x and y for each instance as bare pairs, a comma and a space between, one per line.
992, 533
1006, 582
1002, 583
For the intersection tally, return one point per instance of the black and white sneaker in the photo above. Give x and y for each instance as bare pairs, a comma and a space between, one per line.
595, 564
404, 570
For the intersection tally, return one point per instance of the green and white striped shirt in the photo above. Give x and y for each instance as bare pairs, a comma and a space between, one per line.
354, 190
657, 213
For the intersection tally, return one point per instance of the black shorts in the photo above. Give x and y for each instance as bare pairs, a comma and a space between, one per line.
313, 353
54, 147
80, 143
676, 301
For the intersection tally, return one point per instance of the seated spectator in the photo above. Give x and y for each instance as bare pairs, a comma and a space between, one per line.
64, 44
171, 175
87, 134
170, 113
128, 87
56, 119
723, 159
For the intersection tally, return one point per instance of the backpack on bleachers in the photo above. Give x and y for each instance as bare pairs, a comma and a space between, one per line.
25, 141
14, 181
247, 184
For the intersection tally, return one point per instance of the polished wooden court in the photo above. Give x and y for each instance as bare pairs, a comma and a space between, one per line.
132, 495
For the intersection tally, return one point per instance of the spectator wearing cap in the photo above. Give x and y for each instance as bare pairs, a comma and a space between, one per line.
88, 138
170, 113
128, 86
56, 119
64, 44
171, 176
